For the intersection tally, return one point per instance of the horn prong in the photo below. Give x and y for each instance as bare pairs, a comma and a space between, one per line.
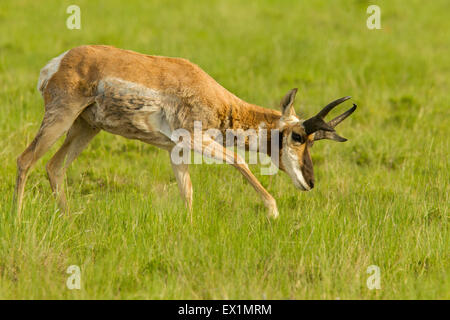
322, 114
333, 123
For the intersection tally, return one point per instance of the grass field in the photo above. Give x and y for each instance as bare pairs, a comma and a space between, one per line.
380, 199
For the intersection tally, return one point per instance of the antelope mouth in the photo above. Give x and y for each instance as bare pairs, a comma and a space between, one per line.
302, 187
295, 172
300, 181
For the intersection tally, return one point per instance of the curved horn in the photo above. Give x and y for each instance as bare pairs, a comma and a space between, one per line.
333, 123
330, 106
332, 135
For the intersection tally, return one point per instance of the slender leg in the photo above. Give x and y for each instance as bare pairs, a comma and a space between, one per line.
78, 137
53, 126
217, 151
181, 172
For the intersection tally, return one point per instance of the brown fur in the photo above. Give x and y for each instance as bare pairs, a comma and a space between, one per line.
183, 93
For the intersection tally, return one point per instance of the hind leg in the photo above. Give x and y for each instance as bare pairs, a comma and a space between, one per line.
78, 137
181, 172
53, 126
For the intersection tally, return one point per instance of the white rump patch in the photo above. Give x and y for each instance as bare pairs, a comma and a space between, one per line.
48, 71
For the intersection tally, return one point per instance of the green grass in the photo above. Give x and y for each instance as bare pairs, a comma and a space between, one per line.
380, 199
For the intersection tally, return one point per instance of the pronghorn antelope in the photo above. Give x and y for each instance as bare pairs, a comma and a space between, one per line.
93, 88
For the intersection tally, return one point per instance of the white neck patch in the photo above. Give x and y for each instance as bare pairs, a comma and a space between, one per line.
290, 162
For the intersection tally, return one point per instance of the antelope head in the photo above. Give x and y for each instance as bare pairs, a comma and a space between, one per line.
297, 136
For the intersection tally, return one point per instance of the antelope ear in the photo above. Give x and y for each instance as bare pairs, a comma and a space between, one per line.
287, 104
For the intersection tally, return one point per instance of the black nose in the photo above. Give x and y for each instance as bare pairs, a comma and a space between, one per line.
311, 183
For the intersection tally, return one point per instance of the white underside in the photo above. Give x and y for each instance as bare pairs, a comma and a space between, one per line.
155, 101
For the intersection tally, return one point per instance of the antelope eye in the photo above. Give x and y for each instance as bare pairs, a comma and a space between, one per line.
296, 137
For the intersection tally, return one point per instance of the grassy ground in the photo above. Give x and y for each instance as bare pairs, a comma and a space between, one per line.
380, 199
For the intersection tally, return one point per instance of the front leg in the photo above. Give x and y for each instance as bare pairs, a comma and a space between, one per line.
217, 151
267, 198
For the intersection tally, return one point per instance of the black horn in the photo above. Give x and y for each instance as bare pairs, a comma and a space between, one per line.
333, 123
332, 135
323, 113
317, 122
